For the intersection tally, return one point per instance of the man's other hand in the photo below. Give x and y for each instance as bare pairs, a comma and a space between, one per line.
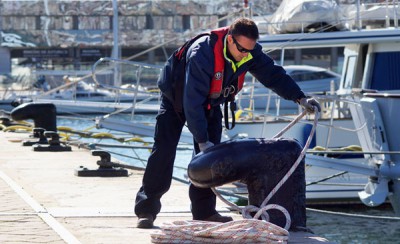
205, 145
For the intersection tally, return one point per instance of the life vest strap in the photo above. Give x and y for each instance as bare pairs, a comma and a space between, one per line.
232, 107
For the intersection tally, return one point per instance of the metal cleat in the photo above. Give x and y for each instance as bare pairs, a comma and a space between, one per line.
5, 121
54, 144
106, 168
37, 133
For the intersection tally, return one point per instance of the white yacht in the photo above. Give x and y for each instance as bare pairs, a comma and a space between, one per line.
361, 114
311, 79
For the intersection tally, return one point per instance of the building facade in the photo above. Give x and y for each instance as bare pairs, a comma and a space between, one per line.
73, 34
76, 32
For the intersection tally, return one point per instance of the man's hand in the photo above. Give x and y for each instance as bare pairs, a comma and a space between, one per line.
205, 145
309, 104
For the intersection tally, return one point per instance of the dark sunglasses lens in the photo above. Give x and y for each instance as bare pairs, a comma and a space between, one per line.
243, 50
240, 48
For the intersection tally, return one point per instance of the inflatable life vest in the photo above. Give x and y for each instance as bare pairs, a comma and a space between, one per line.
219, 64
178, 64
217, 41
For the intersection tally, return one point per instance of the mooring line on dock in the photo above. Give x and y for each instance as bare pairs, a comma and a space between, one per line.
40, 210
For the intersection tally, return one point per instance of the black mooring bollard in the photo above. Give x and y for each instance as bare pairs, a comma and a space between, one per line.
261, 164
44, 115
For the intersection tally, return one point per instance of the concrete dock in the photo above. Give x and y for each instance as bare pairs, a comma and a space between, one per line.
43, 201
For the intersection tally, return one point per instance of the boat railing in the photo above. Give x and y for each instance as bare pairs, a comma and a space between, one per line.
136, 82
17, 84
368, 13
10, 94
350, 17
334, 107
134, 72
248, 94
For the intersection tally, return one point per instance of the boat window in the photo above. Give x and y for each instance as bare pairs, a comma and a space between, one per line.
385, 72
81, 95
297, 75
349, 72
97, 95
300, 76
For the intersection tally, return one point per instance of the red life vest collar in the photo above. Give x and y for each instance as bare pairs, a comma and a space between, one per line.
219, 65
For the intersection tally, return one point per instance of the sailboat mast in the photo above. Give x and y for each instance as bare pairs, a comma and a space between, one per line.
115, 51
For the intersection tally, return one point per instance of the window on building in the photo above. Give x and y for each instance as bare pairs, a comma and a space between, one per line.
75, 22
199, 22
132, 22
149, 22
222, 23
186, 22
56, 23
94, 23
18, 23
163, 22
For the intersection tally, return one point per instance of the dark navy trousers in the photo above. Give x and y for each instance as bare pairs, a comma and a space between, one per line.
158, 174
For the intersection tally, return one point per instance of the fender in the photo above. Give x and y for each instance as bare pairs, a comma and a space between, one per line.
261, 164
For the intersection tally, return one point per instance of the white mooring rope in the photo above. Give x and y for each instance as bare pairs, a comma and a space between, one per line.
247, 230
237, 231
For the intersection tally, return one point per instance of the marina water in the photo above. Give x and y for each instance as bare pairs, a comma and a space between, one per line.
336, 228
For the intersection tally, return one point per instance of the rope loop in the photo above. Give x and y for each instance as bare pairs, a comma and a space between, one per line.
262, 213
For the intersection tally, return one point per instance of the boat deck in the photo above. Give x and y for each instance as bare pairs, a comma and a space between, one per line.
43, 201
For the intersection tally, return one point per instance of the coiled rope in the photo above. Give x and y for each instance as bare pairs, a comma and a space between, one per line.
237, 231
248, 230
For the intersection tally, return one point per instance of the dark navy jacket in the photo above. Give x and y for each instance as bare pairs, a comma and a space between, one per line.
200, 70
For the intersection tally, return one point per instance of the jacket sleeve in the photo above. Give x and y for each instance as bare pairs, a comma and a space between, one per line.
199, 70
274, 76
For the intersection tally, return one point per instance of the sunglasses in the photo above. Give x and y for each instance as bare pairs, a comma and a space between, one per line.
239, 47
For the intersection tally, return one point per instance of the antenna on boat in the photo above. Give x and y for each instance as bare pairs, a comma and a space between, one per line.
247, 6
358, 18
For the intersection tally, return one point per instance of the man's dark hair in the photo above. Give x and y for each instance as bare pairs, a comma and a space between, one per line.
244, 27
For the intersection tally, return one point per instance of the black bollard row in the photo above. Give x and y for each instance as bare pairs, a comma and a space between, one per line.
44, 116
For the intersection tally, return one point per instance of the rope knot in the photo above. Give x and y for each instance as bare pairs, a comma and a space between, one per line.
262, 213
